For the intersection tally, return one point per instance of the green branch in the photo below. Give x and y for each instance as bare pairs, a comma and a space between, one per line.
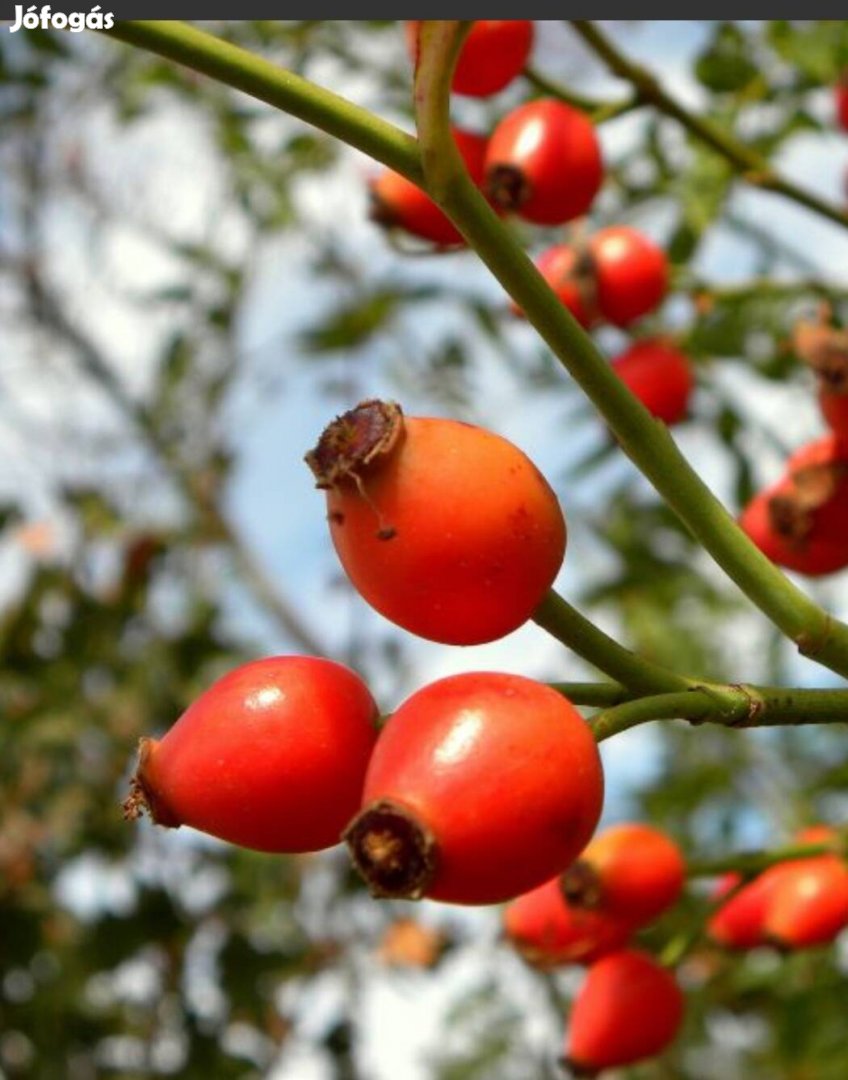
574, 630
597, 695
751, 166
646, 441
736, 706
599, 111
272, 84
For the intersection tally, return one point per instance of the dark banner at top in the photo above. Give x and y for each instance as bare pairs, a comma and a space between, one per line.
76, 17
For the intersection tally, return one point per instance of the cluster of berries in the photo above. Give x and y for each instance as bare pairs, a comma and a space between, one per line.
543, 163
629, 1006
801, 520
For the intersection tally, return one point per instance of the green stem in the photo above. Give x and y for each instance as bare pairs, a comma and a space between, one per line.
574, 630
688, 705
646, 441
599, 111
267, 82
597, 695
752, 166
736, 706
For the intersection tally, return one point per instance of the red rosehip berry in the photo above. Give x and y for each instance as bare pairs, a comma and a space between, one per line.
271, 757
801, 522
660, 376
630, 871
834, 409
629, 1008
549, 931
808, 904
571, 276
738, 923
544, 163
492, 55
445, 528
631, 273
397, 203
481, 787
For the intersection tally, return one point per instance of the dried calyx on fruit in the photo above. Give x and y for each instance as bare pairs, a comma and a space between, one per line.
445, 528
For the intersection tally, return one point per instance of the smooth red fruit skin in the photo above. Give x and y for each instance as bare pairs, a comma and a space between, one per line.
823, 549
558, 266
478, 533
841, 100
492, 55
830, 449
271, 757
502, 771
660, 376
629, 1008
551, 153
834, 409
809, 903
398, 203
640, 871
631, 271
738, 923
548, 931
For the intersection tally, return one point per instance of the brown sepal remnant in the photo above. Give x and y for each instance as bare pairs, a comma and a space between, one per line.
392, 850
791, 512
142, 798
507, 187
581, 885
825, 349
352, 444
406, 943
355, 440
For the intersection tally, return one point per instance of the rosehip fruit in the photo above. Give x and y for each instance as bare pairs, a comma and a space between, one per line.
445, 528
660, 376
544, 163
481, 787
548, 931
398, 203
629, 1008
834, 409
738, 923
492, 55
808, 904
801, 522
271, 757
631, 273
572, 278
631, 871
